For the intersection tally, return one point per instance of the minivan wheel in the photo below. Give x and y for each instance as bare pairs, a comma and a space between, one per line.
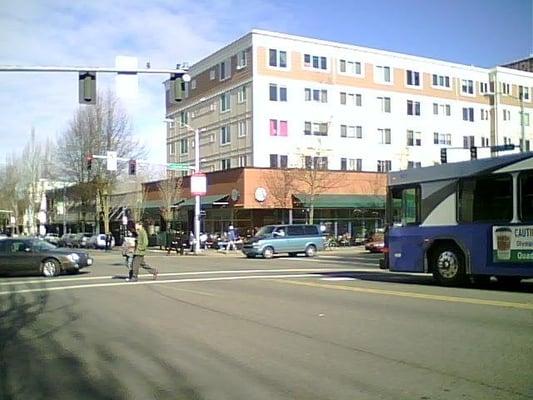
310, 251
50, 268
268, 252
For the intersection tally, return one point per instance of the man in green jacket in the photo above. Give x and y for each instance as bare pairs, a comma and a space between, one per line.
141, 244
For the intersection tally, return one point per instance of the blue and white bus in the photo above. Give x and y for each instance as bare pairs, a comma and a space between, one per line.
462, 220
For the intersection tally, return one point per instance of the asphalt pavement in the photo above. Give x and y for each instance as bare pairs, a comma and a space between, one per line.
221, 326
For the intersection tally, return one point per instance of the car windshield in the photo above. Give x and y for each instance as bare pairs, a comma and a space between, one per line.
41, 245
264, 231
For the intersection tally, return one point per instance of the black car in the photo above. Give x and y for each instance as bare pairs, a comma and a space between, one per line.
21, 256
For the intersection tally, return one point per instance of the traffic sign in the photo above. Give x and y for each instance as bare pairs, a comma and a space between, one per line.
178, 166
198, 184
111, 160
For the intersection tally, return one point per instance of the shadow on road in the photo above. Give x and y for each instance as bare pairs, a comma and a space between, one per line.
45, 355
398, 277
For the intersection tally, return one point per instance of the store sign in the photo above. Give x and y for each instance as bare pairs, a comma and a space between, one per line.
198, 184
512, 244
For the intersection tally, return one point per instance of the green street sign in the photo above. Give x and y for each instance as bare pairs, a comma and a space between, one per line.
178, 167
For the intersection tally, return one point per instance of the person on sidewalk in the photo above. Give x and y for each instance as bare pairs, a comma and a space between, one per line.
128, 247
141, 245
231, 239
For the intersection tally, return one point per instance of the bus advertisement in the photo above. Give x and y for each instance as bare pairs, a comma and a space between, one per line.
462, 221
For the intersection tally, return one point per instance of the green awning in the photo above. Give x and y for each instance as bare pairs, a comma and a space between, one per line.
206, 200
342, 201
153, 204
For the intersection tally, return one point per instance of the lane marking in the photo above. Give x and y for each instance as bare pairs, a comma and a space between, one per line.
157, 282
191, 291
236, 271
414, 295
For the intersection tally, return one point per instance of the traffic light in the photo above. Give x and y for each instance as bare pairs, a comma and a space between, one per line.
132, 167
177, 87
89, 163
473, 153
87, 87
443, 158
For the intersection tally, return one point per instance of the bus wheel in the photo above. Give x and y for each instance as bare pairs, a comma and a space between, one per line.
449, 266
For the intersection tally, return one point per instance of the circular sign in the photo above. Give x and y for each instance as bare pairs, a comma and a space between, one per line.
260, 194
235, 195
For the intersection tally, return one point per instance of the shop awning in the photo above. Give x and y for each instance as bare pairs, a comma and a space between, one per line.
207, 201
342, 201
153, 204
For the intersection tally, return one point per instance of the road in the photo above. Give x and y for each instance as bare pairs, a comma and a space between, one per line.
225, 327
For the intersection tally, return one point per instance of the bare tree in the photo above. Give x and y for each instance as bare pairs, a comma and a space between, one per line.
14, 193
32, 164
281, 185
94, 130
170, 192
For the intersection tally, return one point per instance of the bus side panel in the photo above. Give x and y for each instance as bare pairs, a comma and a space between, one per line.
406, 249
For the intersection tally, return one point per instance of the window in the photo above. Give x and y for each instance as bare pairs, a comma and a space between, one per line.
316, 162
523, 93
278, 161
413, 107
414, 138
241, 59
486, 199
383, 74
193, 84
354, 99
405, 207
351, 164
506, 88
242, 128
412, 78
441, 81
484, 141
316, 128
524, 119
171, 149
212, 74
225, 135
184, 117
413, 164
351, 131
225, 69
483, 87
506, 115
384, 104
277, 58
444, 109
307, 128
527, 146
435, 109
278, 128
318, 95
241, 94
350, 67
467, 86
448, 110
224, 102
295, 230
316, 62
468, 114
384, 165
242, 161
184, 146
225, 163
468, 141
507, 140
277, 93
442, 138
484, 114
384, 136
525, 184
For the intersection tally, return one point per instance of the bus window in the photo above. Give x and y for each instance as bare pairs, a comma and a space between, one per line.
526, 197
405, 204
486, 199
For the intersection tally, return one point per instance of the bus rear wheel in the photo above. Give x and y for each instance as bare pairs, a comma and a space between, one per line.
449, 266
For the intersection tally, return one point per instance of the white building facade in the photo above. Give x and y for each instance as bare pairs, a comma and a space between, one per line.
276, 100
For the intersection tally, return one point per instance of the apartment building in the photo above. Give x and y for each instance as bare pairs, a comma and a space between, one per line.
276, 100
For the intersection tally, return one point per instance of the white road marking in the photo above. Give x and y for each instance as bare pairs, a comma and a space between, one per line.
236, 271
156, 282
338, 278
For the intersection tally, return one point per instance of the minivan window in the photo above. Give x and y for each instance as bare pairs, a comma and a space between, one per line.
264, 231
311, 230
295, 230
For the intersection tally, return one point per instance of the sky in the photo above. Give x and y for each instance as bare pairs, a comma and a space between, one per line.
484, 33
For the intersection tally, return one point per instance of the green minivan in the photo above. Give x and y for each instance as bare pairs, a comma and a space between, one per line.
291, 239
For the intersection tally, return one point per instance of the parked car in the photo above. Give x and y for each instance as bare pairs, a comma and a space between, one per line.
291, 239
52, 238
376, 243
67, 240
81, 240
35, 256
98, 241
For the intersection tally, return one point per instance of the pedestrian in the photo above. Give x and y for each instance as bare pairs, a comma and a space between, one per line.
128, 247
192, 240
108, 241
179, 242
231, 239
138, 255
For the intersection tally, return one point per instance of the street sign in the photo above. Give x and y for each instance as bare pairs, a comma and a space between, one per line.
198, 184
178, 166
111, 160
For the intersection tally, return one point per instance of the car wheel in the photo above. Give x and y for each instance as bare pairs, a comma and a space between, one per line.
268, 252
292, 254
50, 268
449, 266
310, 251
